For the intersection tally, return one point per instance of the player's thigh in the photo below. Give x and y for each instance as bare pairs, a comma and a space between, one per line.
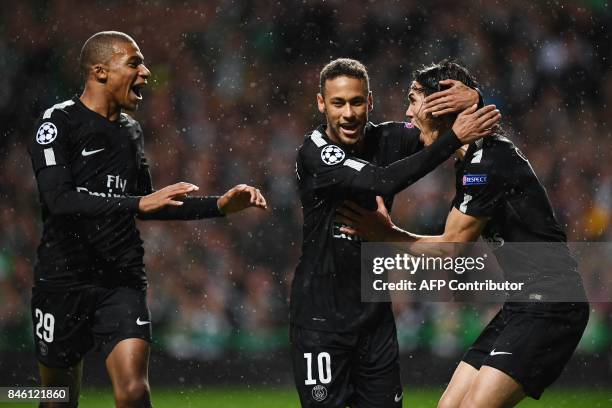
122, 330
457, 388
121, 313
493, 388
127, 366
376, 373
473, 359
321, 366
478, 352
62, 377
128, 360
537, 342
61, 323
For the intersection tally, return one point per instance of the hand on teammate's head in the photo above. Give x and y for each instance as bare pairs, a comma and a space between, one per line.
456, 98
473, 124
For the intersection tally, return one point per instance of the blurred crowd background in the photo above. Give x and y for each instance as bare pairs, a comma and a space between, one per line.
231, 96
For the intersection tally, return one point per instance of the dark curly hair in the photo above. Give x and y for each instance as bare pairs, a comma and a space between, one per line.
429, 76
343, 67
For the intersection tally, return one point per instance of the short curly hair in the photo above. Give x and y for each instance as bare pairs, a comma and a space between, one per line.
343, 67
99, 48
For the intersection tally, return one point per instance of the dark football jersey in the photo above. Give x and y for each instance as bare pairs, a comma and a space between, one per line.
90, 172
326, 288
495, 180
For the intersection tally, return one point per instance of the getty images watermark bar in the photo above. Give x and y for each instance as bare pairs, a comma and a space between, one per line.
486, 272
34, 394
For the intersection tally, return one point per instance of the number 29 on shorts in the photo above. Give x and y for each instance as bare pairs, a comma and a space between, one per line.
46, 322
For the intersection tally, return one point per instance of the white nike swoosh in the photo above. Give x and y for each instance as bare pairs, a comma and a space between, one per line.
398, 398
89, 153
141, 322
495, 353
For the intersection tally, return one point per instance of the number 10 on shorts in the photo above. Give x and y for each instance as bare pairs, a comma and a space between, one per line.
324, 366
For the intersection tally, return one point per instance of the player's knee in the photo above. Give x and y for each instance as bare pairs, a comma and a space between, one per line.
475, 400
134, 394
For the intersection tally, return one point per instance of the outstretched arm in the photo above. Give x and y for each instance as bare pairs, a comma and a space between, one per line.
61, 197
353, 174
377, 226
470, 125
236, 199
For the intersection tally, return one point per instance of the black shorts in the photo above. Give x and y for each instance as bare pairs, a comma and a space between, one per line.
69, 324
531, 342
347, 369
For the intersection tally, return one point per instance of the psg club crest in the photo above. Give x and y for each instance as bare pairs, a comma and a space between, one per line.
47, 132
44, 350
332, 154
319, 393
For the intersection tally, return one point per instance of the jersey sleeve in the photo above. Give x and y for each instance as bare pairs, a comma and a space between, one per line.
49, 147
193, 208
482, 189
326, 165
50, 154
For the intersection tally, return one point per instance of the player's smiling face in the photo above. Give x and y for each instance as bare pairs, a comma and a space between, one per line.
346, 105
416, 100
127, 75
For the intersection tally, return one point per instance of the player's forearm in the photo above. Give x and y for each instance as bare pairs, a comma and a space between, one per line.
452, 243
61, 198
82, 204
430, 245
399, 175
193, 208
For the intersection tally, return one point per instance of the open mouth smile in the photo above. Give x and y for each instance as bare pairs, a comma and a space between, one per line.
349, 129
136, 91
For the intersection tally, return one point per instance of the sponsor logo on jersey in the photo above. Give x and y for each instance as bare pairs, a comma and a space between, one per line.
474, 179
116, 187
47, 132
332, 154
319, 393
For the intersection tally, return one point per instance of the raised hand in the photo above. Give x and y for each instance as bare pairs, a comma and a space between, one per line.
169, 195
472, 124
454, 99
240, 197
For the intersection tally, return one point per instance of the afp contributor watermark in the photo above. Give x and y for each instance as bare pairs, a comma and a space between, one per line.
411, 263
476, 272
439, 284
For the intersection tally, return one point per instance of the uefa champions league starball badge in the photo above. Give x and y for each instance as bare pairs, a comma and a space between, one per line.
332, 154
47, 132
